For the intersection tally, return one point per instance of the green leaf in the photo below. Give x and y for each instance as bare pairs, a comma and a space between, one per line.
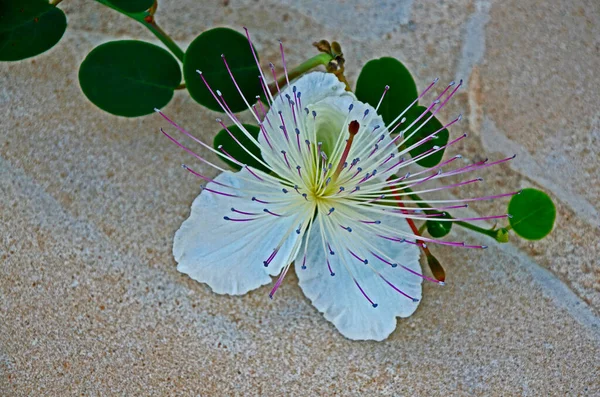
235, 151
132, 5
129, 78
533, 214
378, 73
432, 126
204, 54
28, 28
439, 229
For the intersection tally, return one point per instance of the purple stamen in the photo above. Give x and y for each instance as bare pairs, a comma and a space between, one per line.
371, 222
285, 158
330, 250
189, 150
243, 212
217, 192
185, 167
275, 79
269, 212
230, 157
374, 150
260, 201
284, 64
252, 172
257, 63
329, 267
278, 282
385, 90
298, 140
364, 294
358, 171
264, 88
398, 290
238, 220
391, 156
365, 261
271, 257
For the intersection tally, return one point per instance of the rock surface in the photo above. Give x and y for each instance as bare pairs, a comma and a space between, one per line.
91, 302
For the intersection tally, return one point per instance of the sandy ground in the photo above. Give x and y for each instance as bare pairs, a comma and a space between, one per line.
92, 304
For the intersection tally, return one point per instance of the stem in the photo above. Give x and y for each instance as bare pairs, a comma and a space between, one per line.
180, 86
488, 232
54, 2
164, 37
321, 59
146, 18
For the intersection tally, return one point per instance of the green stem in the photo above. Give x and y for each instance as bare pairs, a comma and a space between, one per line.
321, 59
164, 37
146, 18
488, 232
54, 2
470, 226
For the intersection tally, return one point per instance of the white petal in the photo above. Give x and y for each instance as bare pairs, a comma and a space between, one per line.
340, 300
227, 255
313, 88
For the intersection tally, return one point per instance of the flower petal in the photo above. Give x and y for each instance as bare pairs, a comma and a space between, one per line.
313, 88
341, 301
229, 255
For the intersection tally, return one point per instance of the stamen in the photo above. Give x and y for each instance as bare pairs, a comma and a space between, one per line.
217, 192
270, 258
398, 290
252, 172
260, 201
329, 267
185, 167
238, 220
365, 261
364, 294
330, 250
285, 158
243, 212
278, 282
385, 90
275, 79
269, 212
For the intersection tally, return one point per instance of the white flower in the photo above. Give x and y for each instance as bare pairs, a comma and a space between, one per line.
327, 205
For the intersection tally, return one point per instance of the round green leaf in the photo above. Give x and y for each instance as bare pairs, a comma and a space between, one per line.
204, 54
378, 73
235, 151
129, 78
432, 126
439, 229
533, 214
28, 28
132, 5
